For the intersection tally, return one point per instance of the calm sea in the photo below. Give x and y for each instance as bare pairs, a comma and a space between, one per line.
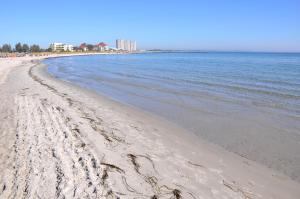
248, 103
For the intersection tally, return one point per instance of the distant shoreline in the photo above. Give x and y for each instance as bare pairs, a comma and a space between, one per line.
54, 54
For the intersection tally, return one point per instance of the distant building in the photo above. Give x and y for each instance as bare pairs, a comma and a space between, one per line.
132, 45
126, 45
100, 47
59, 47
120, 44
83, 47
68, 47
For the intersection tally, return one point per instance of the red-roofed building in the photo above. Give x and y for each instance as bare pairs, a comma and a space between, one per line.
101, 46
83, 47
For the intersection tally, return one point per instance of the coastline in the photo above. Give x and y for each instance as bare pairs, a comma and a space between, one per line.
89, 142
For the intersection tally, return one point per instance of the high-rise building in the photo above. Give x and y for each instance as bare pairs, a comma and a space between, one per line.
120, 44
126, 45
133, 45
130, 46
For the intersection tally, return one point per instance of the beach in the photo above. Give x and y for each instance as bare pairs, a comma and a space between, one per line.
246, 103
61, 141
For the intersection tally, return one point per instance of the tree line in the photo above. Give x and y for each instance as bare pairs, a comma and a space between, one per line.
21, 48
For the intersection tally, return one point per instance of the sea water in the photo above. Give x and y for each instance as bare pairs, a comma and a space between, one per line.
248, 103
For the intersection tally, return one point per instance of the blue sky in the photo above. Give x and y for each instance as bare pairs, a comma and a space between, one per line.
230, 25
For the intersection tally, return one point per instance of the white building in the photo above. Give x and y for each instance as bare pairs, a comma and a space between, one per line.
68, 47
59, 47
132, 45
126, 45
120, 44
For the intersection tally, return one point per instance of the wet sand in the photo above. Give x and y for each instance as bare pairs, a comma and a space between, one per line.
60, 141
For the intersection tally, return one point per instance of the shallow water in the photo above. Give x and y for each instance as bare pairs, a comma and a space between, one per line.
248, 103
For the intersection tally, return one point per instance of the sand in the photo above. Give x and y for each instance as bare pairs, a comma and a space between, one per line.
60, 141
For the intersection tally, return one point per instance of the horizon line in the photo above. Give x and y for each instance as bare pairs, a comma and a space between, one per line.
223, 51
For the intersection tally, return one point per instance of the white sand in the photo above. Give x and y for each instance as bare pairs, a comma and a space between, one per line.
60, 141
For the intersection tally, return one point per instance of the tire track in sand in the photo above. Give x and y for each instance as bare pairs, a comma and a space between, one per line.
50, 159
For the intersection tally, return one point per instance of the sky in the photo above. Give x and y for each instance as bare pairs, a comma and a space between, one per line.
212, 25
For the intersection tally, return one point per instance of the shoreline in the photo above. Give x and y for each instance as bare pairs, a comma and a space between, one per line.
239, 120
123, 149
